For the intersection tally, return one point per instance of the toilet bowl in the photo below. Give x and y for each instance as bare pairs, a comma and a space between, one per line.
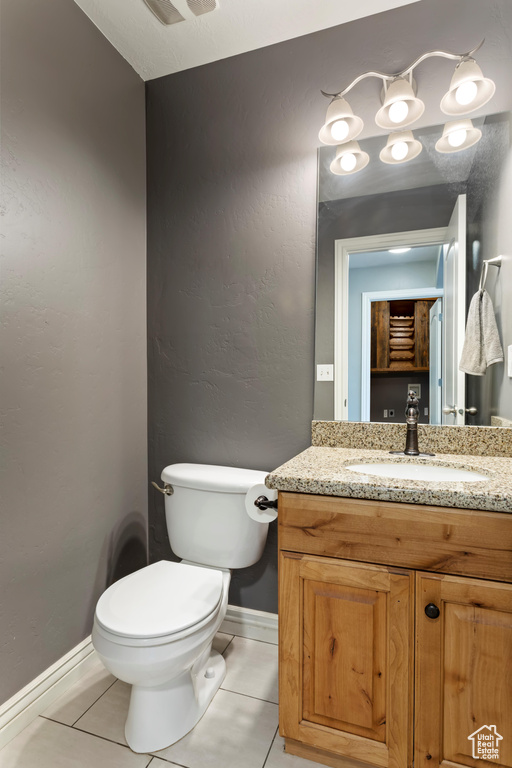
154, 628
170, 663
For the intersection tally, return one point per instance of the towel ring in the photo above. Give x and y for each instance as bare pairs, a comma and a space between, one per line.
496, 262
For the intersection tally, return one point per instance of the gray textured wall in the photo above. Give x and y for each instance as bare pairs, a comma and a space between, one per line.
230, 282
231, 229
73, 381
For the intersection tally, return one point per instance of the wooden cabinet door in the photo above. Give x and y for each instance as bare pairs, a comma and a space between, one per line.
346, 648
380, 334
463, 673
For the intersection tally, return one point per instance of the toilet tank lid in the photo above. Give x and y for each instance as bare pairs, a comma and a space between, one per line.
209, 477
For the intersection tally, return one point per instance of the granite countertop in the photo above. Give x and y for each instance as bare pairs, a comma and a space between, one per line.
323, 470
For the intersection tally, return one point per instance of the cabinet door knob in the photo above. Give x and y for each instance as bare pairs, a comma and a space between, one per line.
432, 611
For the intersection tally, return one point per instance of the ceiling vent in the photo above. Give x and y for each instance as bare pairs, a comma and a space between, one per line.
167, 13
198, 7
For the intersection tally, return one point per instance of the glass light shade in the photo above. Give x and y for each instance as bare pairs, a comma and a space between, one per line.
349, 159
400, 107
469, 89
339, 112
400, 148
458, 135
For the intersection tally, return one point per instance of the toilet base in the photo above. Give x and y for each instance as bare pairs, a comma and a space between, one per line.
160, 716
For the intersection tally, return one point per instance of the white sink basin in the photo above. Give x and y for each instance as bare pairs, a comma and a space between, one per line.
409, 471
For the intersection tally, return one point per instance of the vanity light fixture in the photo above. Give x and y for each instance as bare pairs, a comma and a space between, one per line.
400, 105
340, 123
350, 158
458, 135
469, 89
400, 147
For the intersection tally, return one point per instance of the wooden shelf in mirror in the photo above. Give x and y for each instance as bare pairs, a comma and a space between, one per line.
400, 335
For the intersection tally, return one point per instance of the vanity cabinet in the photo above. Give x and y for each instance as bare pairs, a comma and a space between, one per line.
393, 647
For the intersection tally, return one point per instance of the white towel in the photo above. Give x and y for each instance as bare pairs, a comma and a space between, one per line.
482, 345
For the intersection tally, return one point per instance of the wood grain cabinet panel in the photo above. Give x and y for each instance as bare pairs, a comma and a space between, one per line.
464, 672
341, 627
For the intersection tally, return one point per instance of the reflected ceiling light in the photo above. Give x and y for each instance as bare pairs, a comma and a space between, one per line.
400, 148
458, 135
399, 250
400, 105
349, 159
469, 89
340, 123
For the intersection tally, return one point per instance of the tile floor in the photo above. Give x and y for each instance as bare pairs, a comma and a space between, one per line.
85, 727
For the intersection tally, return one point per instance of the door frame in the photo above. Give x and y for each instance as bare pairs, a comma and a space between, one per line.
366, 332
342, 250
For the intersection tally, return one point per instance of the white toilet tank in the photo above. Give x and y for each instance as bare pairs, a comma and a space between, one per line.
206, 517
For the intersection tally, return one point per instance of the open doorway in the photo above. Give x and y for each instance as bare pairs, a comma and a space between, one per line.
387, 262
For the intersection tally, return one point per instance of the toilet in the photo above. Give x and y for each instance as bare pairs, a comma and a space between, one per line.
154, 628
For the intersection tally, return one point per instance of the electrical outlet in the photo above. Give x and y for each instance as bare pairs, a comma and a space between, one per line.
391, 412
425, 411
325, 372
385, 413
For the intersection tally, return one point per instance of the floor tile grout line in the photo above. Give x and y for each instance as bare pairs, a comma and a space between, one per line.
105, 738
227, 646
178, 765
88, 733
95, 702
253, 640
270, 748
54, 720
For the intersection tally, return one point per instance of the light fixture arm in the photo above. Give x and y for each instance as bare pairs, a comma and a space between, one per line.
408, 71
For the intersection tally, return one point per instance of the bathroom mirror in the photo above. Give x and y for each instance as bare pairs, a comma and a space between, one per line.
439, 212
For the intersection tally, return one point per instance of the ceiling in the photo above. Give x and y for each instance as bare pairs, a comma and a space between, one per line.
236, 26
372, 259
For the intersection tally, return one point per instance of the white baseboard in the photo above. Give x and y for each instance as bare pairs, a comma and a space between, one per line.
247, 622
27, 704
31, 701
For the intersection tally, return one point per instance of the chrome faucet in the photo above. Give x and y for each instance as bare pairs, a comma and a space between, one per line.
412, 413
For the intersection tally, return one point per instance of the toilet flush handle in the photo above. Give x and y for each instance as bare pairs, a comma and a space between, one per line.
263, 503
167, 490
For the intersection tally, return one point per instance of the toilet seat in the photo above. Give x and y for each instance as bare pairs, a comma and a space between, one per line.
160, 600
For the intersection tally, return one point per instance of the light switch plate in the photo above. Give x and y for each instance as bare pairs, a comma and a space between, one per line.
325, 372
